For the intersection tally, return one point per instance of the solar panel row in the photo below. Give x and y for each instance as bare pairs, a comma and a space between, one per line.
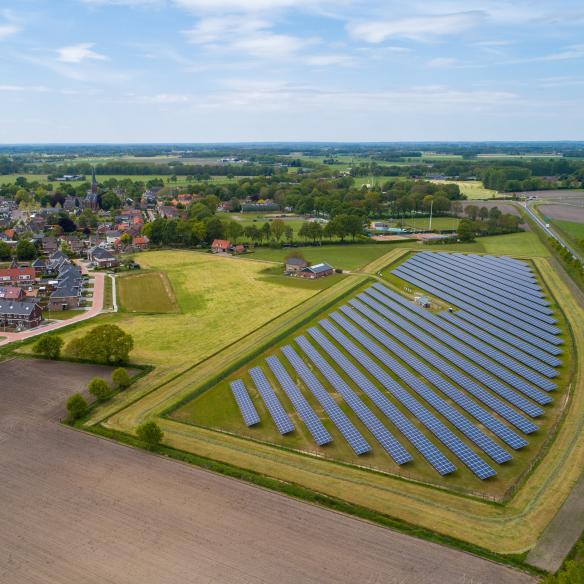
246, 407
304, 409
468, 457
415, 436
457, 396
388, 442
459, 293
469, 285
458, 420
464, 364
277, 411
514, 352
457, 334
353, 437
479, 275
476, 358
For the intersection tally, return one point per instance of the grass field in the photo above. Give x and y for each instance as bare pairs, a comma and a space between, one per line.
575, 231
473, 189
146, 292
181, 180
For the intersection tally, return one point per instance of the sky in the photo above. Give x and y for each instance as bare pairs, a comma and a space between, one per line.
290, 70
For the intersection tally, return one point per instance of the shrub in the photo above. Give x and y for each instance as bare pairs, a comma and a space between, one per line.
121, 378
49, 346
99, 388
76, 406
150, 433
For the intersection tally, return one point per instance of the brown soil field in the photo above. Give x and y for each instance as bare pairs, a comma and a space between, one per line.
83, 509
571, 212
575, 196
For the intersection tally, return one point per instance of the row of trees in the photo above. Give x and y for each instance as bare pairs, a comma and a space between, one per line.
493, 222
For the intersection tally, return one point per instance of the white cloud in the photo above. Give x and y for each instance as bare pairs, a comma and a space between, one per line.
419, 28
210, 30
441, 63
330, 60
8, 30
24, 88
266, 45
160, 98
78, 53
247, 5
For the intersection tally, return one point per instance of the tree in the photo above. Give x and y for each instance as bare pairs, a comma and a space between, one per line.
107, 343
67, 224
99, 388
121, 378
472, 211
25, 250
483, 213
278, 228
5, 251
76, 406
466, 230
150, 433
110, 201
49, 346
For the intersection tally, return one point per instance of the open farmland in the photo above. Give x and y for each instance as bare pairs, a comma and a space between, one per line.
510, 528
472, 189
146, 292
103, 512
572, 213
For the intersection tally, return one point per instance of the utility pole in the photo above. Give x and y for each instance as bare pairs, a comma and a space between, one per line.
430, 223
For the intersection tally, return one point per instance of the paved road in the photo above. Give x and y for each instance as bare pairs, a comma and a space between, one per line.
96, 308
77, 509
549, 231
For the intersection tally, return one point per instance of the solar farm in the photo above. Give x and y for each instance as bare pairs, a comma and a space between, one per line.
463, 394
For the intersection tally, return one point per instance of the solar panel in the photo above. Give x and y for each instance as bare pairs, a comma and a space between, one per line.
457, 396
456, 335
389, 443
443, 365
515, 352
459, 421
278, 413
246, 407
456, 359
468, 457
476, 358
339, 418
458, 294
469, 285
428, 450
305, 411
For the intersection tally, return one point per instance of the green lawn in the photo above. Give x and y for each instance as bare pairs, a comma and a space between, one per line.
573, 230
521, 244
146, 292
473, 189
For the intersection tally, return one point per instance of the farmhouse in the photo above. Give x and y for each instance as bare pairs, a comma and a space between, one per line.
294, 265
17, 314
316, 271
17, 276
220, 246
102, 258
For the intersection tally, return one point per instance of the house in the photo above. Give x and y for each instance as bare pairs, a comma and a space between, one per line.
67, 295
141, 242
316, 271
50, 244
102, 258
294, 265
168, 212
220, 246
17, 276
11, 293
20, 315
239, 248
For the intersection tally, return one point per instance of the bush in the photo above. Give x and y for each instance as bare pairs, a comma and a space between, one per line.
107, 344
99, 388
121, 378
49, 346
76, 406
150, 433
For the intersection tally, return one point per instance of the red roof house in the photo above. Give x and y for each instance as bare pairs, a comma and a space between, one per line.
220, 246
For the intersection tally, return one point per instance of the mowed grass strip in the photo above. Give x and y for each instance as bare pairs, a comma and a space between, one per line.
146, 292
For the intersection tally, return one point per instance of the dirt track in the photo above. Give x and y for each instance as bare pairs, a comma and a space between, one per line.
76, 509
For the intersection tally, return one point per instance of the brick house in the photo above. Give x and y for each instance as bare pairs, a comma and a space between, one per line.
316, 271
17, 276
17, 314
220, 246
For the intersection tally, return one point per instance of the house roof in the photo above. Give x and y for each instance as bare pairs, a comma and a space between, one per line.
101, 253
10, 292
222, 243
16, 308
318, 268
14, 273
296, 262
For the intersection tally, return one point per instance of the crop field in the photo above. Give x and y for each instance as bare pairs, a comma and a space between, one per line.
512, 527
216, 408
146, 292
473, 189
180, 180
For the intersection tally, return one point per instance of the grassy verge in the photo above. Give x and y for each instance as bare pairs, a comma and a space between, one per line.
107, 293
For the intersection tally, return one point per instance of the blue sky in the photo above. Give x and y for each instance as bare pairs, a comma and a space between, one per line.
277, 70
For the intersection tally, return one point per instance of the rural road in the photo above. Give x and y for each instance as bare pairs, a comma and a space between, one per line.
79, 509
95, 309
